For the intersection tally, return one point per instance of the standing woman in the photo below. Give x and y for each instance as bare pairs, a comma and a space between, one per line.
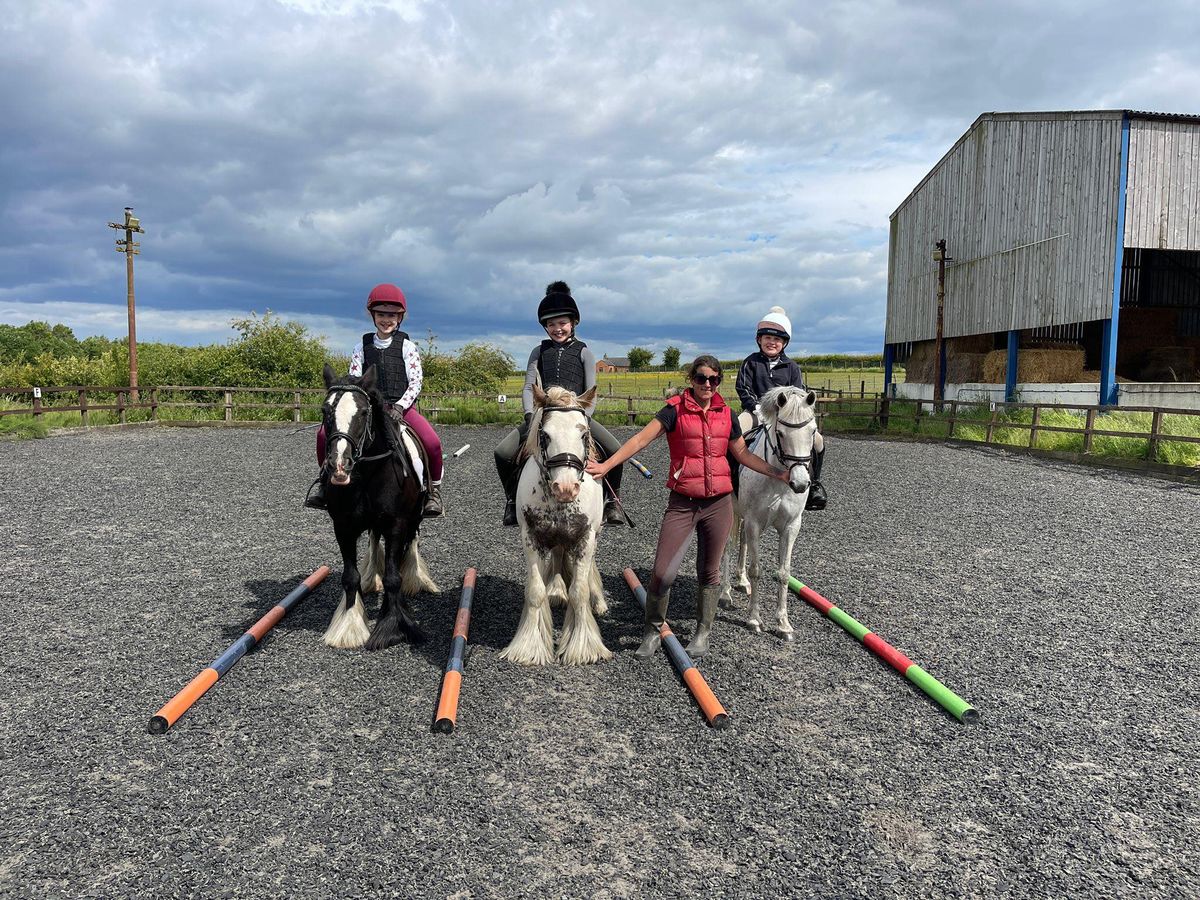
700, 429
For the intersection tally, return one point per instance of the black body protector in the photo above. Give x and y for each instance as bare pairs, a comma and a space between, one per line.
390, 372
561, 365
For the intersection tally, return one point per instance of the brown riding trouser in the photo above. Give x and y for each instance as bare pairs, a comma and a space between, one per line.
711, 519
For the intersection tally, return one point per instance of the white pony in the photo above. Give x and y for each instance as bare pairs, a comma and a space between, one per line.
790, 424
560, 509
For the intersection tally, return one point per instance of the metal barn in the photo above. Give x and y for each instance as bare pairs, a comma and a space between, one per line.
1062, 229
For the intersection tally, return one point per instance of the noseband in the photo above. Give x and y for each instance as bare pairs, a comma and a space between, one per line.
560, 460
356, 447
777, 447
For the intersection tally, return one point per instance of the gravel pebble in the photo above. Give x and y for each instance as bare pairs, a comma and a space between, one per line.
1059, 600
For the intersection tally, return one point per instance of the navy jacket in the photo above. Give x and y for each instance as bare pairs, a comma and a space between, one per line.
756, 377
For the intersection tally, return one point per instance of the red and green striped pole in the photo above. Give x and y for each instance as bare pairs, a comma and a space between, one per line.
942, 695
198, 686
447, 711
713, 711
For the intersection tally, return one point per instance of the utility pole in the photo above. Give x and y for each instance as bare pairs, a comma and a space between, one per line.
129, 247
939, 254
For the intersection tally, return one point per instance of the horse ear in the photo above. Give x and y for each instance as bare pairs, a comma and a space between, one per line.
811, 399
588, 399
539, 396
330, 376
781, 401
369, 379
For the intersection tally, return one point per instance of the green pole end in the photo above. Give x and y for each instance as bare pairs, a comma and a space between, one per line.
848, 622
945, 698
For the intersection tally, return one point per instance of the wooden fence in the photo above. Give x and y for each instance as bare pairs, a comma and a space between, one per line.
840, 411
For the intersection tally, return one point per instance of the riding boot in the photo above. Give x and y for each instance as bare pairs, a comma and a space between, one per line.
816, 492
706, 614
316, 497
509, 476
612, 512
656, 615
433, 501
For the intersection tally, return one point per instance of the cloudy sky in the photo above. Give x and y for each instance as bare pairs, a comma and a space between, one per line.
683, 165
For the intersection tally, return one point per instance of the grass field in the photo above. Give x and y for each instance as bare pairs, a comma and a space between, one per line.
658, 384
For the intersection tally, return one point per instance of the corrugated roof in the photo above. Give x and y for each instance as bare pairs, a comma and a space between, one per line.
1043, 116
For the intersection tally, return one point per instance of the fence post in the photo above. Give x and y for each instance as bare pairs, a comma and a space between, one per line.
991, 424
885, 408
153, 404
37, 402
83, 409
862, 390
1089, 424
1033, 430
953, 418
121, 407
229, 406
296, 406
1155, 430
917, 417
629, 411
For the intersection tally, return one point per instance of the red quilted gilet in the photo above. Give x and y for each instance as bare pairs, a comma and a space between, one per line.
698, 446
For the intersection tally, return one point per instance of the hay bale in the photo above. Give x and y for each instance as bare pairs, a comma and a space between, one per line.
1036, 366
920, 367
965, 368
1169, 364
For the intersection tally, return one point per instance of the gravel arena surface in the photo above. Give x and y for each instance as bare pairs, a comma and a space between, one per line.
1061, 601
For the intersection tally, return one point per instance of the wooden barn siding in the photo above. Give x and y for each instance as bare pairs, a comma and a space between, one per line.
1028, 210
1162, 207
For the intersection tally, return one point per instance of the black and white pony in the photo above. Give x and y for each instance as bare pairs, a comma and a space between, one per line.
786, 441
372, 484
560, 508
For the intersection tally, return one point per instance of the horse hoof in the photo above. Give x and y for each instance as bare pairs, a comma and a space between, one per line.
786, 636
726, 603
755, 627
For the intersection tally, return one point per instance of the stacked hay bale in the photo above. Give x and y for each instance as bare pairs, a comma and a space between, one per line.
1059, 366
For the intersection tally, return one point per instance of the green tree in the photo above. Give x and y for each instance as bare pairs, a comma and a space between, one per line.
671, 358
479, 367
273, 352
639, 358
25, 343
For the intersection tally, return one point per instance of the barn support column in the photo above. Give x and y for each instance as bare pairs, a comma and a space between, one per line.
1010, 374
1108, 346
889, 357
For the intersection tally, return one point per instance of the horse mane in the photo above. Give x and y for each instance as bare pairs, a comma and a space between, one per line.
769, 402
557, 397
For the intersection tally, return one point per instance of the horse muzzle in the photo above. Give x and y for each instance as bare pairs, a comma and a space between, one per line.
564, 490
798, 478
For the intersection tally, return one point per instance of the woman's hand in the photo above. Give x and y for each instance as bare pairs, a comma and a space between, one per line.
597, 469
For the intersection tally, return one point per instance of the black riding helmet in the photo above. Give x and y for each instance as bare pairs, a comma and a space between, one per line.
558, 302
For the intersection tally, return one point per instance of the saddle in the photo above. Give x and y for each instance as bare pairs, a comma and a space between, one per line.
406, 448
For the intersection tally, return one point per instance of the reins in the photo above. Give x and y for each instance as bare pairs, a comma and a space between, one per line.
356, 446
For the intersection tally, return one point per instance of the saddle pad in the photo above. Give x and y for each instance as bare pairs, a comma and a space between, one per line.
414, 453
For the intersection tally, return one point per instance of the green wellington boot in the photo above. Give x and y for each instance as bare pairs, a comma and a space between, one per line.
706, 614
656, 615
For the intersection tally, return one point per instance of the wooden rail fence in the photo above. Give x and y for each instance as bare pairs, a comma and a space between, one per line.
864, 412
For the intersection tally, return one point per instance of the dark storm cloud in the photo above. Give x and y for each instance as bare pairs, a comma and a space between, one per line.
684, 166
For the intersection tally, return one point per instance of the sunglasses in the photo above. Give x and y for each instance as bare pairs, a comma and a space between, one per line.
712, 380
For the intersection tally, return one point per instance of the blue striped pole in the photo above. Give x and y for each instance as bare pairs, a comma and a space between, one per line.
447, 712
196, 688
707, 700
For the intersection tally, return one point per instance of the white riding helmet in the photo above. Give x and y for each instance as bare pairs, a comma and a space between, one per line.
777, 323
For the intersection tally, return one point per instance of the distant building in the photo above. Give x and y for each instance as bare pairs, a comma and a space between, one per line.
613, 364
1059, 226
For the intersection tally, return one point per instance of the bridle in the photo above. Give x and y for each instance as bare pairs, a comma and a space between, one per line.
357, 446
561, 460
777, 448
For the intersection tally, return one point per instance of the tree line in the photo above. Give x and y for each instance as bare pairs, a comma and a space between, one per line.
268, 351
641, 359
